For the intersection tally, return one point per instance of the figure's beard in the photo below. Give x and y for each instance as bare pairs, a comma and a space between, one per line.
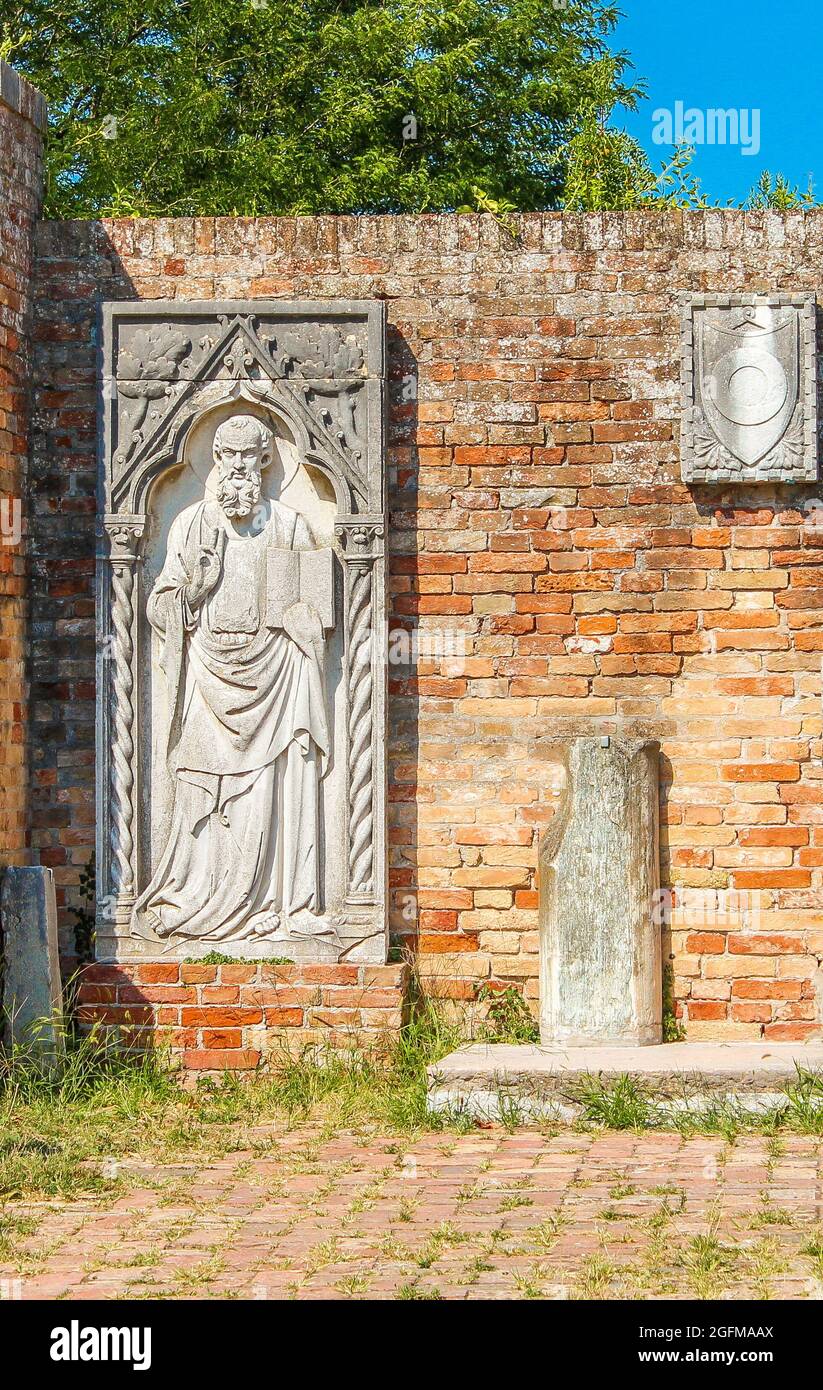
238, 494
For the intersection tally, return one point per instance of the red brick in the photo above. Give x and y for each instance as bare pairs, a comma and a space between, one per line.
772, 878
221, 1059
774, 835
750, 1013
435, 944
330, 974
237, 974
764, 944
761, 772
104, 974
220, 994
284, 1018
766, 989
793, 1032
215, 1016
197, 974
705, 943
156, 994
155, 974
96, 994
222, 1037
706, 1009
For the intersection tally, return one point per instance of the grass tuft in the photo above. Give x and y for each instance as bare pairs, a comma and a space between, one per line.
621, 1104
508, 1017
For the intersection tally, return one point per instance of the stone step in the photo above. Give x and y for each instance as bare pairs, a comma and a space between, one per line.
486, 1080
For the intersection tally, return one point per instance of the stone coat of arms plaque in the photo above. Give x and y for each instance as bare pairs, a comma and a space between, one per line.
749, 388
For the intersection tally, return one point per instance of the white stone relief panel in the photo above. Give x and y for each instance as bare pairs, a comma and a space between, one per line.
241, 757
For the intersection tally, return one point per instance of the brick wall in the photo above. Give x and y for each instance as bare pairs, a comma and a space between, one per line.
536, 510
22, 119
230, 1017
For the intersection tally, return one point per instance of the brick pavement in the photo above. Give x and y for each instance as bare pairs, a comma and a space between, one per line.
490, 1214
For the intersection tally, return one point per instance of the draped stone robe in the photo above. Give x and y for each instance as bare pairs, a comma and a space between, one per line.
248, 738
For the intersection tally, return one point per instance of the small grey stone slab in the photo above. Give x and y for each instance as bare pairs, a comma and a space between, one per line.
749, 388
32, 995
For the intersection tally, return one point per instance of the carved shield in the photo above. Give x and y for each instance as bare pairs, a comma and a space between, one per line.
747, 378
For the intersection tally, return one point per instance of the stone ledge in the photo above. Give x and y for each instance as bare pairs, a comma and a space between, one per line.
481, 1078
22, 98
713, 1062
387, 237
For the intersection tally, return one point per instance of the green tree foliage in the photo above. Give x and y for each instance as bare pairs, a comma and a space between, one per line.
604, 168
306, 106
779, 194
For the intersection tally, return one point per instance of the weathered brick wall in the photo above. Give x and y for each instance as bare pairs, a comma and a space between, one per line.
232, 1017
536, 509
22, 119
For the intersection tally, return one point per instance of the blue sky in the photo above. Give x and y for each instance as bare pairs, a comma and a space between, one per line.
732, 54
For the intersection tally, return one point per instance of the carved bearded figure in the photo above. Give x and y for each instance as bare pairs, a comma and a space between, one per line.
248, 735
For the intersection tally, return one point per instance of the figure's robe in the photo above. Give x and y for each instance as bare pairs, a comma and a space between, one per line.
248, 738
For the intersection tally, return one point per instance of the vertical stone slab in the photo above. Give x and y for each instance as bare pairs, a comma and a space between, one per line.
600, 955
32, 996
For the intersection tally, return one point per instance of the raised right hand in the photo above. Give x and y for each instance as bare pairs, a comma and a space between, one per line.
207, 571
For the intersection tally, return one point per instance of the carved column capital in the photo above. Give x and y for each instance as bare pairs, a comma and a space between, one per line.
125, 533
361, 539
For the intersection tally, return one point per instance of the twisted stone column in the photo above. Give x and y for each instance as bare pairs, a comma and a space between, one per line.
124, 533
361, 818
360, 544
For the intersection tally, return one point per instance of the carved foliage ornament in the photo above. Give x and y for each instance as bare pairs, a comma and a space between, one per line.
164, 373
749, 389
